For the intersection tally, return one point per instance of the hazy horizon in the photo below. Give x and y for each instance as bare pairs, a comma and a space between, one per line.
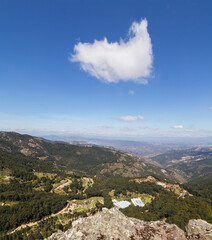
74, 67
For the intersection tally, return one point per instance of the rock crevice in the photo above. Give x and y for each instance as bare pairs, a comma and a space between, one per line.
112, 224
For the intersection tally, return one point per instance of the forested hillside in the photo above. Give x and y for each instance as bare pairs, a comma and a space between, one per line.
45, 186
191, 164
25, 203
90, 160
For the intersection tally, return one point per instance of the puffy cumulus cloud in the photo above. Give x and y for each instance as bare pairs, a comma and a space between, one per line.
178, 127
129, 118
118, 61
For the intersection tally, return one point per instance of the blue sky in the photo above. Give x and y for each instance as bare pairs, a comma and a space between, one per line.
51, 81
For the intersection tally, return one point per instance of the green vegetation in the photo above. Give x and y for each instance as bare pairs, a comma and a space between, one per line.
166, 206
201, 189
146, 198
192, 164
34, 208
163, 205
54, 184
47, 156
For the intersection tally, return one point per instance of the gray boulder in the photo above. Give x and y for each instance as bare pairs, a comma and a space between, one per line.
199, 229
112, 224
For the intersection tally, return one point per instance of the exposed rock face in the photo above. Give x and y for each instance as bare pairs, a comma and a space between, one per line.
112, 224
27, 145
199, 229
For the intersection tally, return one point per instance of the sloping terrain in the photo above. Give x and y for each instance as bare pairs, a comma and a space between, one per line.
173, 157
90, 159
195, 163
40, 178
141, 148
179, 165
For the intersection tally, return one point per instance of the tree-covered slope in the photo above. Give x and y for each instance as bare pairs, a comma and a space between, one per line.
195, 163
35, 187
90, 159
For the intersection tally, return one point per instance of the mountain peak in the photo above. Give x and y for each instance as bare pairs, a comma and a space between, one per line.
112, 224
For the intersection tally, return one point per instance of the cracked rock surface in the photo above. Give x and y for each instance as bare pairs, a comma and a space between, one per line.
112, 224
199, 229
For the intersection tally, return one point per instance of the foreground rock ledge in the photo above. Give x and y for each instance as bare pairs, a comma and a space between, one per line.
112, 224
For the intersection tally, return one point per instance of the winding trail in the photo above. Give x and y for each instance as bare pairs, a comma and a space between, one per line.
37, 222
63, 185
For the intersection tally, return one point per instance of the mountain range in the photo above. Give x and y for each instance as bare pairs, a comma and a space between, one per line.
94, 160
45, 185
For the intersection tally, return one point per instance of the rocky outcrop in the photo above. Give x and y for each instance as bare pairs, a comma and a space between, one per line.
26, 144
199, 229
112, 224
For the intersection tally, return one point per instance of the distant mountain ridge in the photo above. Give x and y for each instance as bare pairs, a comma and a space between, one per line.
141, 148
165, 155
39, 178
89, 159
194, 163
175, 165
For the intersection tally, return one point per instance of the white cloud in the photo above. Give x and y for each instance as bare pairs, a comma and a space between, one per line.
189, 130
129, 118
118, 61
178, 127
131, 92
141, 118
210, 108
148, 128
128, 129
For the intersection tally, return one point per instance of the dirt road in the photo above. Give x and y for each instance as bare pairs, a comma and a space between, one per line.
37, 222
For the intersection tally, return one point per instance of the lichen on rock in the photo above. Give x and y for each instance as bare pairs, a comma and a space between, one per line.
199, 229
112, 224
